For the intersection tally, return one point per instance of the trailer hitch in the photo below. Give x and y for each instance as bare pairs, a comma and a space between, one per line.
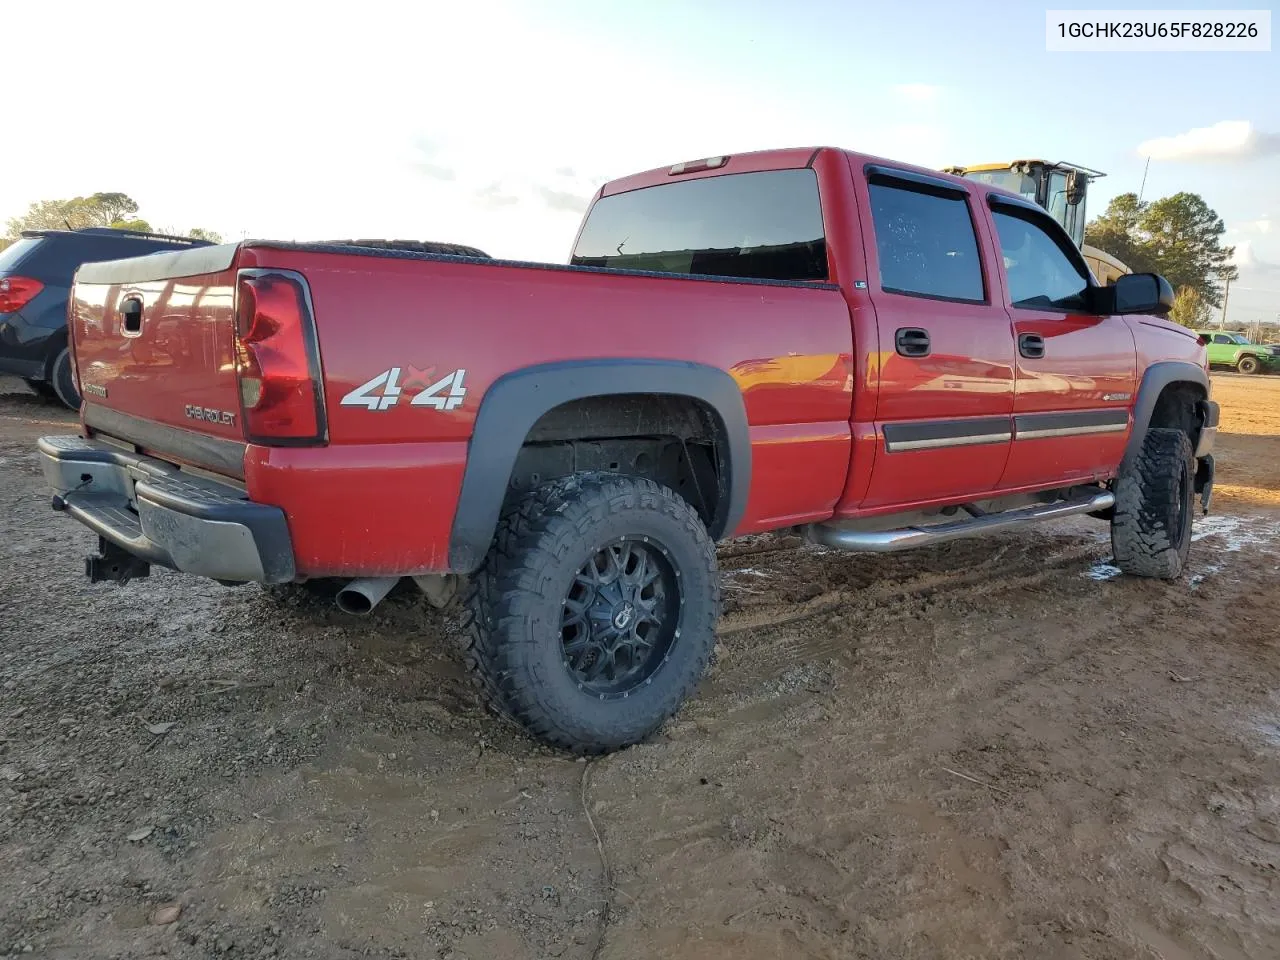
113, 564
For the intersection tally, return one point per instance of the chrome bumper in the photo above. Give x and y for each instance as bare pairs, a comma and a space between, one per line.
160, 514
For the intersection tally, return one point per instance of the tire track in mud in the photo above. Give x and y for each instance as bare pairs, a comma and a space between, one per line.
994, 574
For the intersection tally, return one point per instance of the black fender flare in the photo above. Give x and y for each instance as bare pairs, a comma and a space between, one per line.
516, 400
1156, 377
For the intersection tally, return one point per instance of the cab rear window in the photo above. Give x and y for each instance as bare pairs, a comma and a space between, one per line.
758, 226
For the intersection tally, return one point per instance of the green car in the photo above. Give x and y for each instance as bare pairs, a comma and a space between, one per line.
1235, 350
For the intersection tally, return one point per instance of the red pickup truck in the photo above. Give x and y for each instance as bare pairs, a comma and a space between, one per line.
878, 355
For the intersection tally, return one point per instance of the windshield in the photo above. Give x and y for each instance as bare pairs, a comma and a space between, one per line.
1019, 183
13, 254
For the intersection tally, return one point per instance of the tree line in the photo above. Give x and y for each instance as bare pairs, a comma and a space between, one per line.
1179, 237
117, 210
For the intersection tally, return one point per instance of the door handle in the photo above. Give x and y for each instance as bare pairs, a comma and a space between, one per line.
1031, 346
912, 342
131, 313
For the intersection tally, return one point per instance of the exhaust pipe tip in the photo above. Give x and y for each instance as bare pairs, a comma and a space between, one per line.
359, 597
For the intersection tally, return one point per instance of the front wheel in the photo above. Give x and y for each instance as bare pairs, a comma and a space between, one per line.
1248, 365
594, 614
1151, 525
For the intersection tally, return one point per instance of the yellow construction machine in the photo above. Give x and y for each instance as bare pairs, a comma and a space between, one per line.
1062, 189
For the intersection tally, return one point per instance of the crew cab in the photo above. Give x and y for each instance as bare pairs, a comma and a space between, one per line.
872, 353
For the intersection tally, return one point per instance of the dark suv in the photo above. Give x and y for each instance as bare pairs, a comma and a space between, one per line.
36, 273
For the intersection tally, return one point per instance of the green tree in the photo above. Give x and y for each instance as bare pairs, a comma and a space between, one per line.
1189, 308
99, 210
200, 233
1178, 236
111, 207
1116, 232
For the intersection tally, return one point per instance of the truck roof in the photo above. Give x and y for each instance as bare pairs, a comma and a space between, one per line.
790, 158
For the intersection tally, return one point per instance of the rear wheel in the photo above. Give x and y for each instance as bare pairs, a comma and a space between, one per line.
1151, 526
1247, 365
593, 616
61, 380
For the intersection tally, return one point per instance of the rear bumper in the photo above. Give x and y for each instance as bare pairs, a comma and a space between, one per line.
24, 348
18, 367
160, 514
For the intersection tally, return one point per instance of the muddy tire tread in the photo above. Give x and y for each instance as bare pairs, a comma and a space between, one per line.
533, 533
1141, 541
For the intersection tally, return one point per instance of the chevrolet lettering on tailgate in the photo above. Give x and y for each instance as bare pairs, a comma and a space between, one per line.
210, 415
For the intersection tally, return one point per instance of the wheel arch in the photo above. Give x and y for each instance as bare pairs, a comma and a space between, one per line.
1163, 383
518, 400
57, 341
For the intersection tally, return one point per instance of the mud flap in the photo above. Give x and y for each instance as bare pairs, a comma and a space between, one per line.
1204, 481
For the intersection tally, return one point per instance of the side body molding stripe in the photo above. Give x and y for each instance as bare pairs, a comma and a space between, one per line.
1033, 426
932, 434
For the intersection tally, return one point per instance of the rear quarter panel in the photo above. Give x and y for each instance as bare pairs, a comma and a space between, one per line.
393, 476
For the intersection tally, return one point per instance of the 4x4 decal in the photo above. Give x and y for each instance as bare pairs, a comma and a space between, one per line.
385, 390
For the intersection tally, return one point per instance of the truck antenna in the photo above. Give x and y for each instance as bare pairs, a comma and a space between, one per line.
1142, 189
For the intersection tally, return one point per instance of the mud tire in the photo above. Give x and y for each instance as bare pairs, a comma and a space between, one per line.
515, 608
1151, 526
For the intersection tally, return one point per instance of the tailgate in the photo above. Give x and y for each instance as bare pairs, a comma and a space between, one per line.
155, 347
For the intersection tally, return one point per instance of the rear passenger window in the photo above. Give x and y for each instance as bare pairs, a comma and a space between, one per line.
926, 244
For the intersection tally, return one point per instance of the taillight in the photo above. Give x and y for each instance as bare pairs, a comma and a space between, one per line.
17, 292
277, 360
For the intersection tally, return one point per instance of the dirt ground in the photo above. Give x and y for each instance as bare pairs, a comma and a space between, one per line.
992, 749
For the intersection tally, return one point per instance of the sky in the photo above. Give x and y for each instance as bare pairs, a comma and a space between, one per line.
492, 122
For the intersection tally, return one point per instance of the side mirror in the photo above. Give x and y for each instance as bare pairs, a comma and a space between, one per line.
1075, 189
1142, 293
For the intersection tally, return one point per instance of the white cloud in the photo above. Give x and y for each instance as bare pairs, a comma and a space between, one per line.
1261, 226
1248, 261
1225, 140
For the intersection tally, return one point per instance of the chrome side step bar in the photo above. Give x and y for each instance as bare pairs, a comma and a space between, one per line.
889, 541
